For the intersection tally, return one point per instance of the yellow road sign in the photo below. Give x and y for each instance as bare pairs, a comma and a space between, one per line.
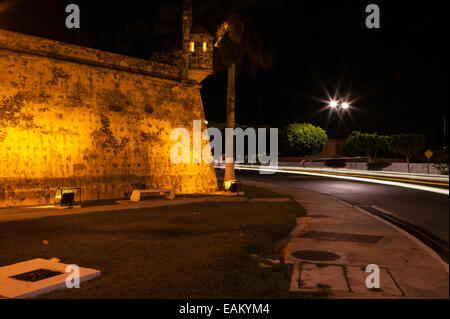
428, 153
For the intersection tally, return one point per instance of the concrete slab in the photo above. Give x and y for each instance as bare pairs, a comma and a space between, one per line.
342, 281
356, 277
19, 289
352, 237
314, 277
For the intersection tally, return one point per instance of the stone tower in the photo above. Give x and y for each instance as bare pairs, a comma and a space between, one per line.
197, 47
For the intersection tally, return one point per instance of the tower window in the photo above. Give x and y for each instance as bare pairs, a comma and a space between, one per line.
192, 46
204, 46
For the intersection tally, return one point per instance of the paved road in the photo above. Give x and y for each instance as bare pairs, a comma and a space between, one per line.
429, 211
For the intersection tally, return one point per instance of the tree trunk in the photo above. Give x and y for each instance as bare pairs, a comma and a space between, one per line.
229, 167
369, 158
407, 161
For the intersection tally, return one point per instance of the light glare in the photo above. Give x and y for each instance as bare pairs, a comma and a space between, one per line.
370, 180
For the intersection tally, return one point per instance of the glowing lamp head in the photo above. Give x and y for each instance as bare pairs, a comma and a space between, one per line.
333, 104
345, 105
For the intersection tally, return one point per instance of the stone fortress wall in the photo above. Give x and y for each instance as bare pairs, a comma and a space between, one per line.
75, 116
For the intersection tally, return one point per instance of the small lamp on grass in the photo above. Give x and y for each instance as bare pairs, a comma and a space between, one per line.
232, 186
66, 197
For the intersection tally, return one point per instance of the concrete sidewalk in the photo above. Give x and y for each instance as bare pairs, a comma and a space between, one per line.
337, 241
32, 212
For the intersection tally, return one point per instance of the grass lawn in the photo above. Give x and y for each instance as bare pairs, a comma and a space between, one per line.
199, 250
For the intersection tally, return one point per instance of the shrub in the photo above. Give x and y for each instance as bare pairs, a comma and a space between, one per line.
377, 166
303, 139
336, 163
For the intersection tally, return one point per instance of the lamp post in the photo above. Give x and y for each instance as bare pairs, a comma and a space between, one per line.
340, 107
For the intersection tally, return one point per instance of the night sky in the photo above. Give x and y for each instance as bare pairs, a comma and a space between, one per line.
396, 75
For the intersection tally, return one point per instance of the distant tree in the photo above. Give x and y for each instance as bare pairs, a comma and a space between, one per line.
303, 139
441, 160
407, 145
369, 144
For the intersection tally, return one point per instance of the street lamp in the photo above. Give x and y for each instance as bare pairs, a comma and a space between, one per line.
333, 104
339, 105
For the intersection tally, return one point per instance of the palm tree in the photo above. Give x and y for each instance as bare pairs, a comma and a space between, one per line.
239, 44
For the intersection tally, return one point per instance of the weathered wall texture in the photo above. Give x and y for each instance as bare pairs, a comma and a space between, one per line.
72, 116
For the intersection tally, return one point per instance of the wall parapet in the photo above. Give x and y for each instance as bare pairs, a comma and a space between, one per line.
22, 43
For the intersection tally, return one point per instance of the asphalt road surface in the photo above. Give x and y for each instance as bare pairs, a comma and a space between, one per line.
427, 210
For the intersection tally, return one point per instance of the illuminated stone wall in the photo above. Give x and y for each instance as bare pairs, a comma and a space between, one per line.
73, 116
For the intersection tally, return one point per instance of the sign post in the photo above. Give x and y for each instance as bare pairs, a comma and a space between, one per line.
428, 154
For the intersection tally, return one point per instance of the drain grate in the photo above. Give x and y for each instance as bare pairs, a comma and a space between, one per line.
36, 275
315, 255
318, 216
358, 238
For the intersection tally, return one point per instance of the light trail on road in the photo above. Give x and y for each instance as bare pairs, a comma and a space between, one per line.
366, 178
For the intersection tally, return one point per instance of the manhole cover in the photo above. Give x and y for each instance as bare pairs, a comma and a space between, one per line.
36, 275
315, 255
358, 238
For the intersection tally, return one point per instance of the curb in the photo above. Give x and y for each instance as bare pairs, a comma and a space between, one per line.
301, 227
